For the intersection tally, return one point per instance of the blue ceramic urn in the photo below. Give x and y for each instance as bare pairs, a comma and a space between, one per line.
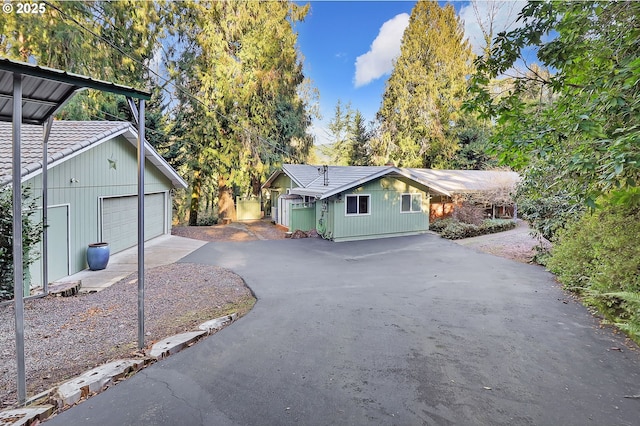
98, 256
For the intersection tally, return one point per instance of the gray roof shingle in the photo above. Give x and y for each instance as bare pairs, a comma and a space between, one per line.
457, 181
310, 179
66, 138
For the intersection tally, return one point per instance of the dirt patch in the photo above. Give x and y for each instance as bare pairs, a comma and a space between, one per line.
65, 337
235, 231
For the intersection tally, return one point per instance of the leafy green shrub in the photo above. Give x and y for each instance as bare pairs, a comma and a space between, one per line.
438, 225
207, 221
491, 226
458, 230
31, 236
455, 230
548, 215
599, 257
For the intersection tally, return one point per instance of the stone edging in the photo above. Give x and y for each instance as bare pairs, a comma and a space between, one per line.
62, 397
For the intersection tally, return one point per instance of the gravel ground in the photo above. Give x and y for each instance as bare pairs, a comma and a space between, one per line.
65, 336
515, 244
238, 231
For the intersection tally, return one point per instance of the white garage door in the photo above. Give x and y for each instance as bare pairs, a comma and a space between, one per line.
120, 220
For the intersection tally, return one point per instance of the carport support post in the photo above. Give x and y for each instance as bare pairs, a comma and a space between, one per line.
45, 207
18, 285
141, 225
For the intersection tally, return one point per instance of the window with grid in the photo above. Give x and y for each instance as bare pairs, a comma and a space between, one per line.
411, 203
358, 204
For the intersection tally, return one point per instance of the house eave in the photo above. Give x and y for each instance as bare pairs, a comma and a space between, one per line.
305, 192
126, 130
358, 182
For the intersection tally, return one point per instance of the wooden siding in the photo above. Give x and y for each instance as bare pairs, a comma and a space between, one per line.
282, 183
386, 218
109, 169
278, 187
303, 217
248, 208
325, 219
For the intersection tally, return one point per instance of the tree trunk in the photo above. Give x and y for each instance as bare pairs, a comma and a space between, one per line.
226, 207
255, 185
194, 206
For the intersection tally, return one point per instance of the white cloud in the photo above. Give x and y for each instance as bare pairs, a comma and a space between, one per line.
378, 61
503, 14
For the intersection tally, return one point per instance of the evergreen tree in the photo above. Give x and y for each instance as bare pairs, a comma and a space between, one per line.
340, 134
241, 60
360, 136
107, 40
425, 91
472, 139
350, 138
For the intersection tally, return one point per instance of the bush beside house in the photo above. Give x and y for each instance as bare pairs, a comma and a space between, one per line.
598, 257
454, 229
31, 236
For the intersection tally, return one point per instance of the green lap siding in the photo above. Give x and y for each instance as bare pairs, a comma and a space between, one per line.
82, 182
385, 218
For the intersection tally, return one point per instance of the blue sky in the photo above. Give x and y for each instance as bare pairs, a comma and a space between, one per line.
348, 47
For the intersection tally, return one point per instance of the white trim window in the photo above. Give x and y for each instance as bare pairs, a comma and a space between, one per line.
357, 205
411, 203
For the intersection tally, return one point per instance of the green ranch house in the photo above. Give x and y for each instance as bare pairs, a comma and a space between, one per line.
345, 203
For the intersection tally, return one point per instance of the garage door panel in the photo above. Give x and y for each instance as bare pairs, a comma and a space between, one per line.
120, 220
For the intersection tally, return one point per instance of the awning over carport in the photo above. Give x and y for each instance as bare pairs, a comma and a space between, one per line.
46, 90
33, 94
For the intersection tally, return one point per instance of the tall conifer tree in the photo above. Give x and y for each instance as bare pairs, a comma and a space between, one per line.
425, 91
241, 60
113, 41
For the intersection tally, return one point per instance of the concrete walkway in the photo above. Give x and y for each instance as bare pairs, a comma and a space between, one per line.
162, 250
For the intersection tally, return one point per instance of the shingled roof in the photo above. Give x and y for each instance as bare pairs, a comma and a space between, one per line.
68, 139
310, 179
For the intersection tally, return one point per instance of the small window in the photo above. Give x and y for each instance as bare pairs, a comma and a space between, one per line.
411, 203
358, 204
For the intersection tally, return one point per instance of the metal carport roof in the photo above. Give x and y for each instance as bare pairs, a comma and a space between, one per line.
46, 90
33, 94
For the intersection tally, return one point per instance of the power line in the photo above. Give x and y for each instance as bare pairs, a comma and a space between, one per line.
167, 81
146, 129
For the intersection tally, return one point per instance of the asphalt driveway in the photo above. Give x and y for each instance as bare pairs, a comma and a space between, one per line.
403, 331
